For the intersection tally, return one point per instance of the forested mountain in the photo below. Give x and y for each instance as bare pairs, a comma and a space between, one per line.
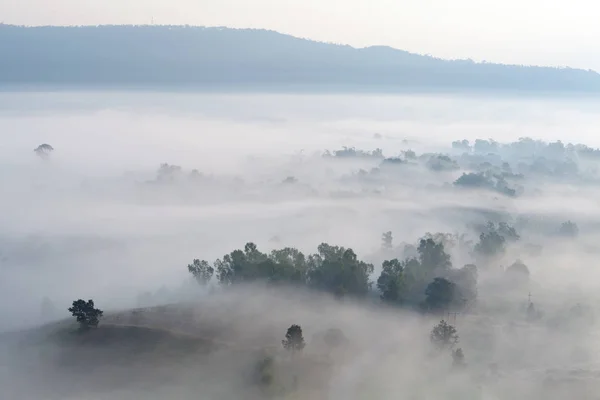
230, 58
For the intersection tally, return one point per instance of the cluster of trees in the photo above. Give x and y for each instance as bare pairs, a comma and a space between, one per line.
333, 269
525, 147
493, 239
490, 165
352, 152
430, 273
423, 278
427, 281
486, 180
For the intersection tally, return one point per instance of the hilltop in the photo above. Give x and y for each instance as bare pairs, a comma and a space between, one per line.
224, 58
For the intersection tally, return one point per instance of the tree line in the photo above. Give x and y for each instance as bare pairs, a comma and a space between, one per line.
427, 281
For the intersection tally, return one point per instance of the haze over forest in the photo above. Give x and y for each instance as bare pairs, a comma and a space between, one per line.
207, 226
218, 214
242, 59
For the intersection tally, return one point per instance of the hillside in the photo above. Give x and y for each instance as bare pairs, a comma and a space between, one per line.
213, 349
243, 58
151, 353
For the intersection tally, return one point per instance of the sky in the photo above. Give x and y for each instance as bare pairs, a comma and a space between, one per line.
535, 32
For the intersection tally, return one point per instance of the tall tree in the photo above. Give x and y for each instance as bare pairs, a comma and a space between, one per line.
387, 240
440, 295
201, 270
432, 255
294, 340
391, 283
337, 270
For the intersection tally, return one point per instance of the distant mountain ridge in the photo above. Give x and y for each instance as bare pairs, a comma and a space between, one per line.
184, 56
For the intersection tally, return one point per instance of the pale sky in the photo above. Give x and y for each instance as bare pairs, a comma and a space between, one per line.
544, 32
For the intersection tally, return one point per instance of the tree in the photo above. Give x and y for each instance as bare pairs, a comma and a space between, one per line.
568, 229
465, 280
168, 173
337, 270
508, 232
201, 270
432, 255
458, 358
473, 180
518, 269
265, 370
43, 150
87, 316
461, 145
242, 266
443, 336
490, 244
441, 162
493, 239
440, 295
386, 240
283, 266
292, 265
294, 341
391, 283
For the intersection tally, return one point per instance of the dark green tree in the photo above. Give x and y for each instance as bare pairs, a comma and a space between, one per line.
294, 341
242, 266
201, 270
432, 255
337, 270
392, 283
283, 266
87, 316
440, 295
444, 336
292, 265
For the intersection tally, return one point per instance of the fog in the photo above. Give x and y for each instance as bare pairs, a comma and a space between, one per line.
97, 219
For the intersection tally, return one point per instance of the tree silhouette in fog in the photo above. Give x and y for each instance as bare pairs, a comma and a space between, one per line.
440, 295
202, 271
294, 340
443, 336
43, 150
458, 358
87, 315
